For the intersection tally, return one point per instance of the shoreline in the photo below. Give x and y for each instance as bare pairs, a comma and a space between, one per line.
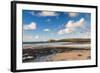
55, 54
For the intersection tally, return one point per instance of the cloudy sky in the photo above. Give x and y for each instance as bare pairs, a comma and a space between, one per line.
45, 25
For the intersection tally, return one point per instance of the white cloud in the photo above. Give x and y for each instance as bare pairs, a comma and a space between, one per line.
80, 22
66, 30
87, 35
47, 30
73, 14
33, 13
31, 26
27, 37
47, 13
70, 26
36, 37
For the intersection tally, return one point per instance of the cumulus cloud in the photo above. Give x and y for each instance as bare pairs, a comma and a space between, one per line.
47, 13
70, 26
63, 31
47, 30
31, 26
73, 14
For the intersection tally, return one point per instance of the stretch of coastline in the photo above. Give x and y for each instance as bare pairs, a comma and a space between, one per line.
61, 51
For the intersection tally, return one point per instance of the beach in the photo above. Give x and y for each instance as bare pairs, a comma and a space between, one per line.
56, 52
72, 55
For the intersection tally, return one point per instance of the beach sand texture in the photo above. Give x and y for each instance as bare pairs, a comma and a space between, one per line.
72, 55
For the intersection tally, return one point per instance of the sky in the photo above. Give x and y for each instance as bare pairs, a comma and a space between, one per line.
46, 25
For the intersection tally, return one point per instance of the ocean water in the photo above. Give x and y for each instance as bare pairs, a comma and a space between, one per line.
57, 44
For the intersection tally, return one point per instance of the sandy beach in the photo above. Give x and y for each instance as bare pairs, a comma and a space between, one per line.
56, 52
72, 55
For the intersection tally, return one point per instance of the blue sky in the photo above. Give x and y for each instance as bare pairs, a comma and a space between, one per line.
45, 25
